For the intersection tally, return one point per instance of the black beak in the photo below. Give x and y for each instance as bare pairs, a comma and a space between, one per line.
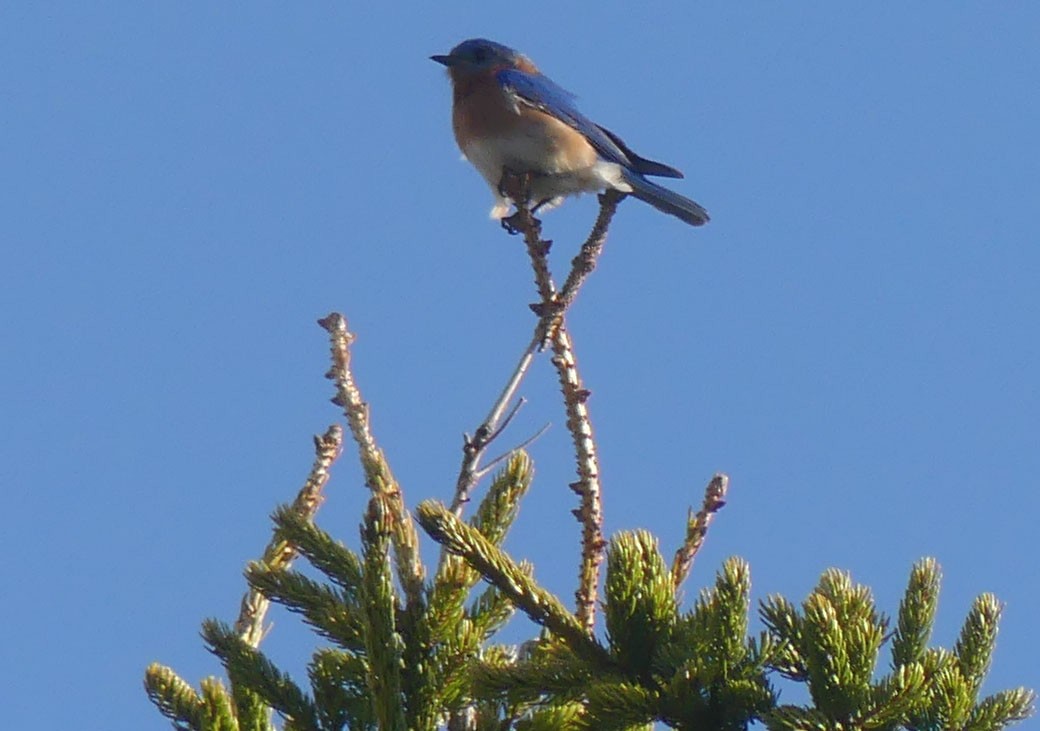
448, 61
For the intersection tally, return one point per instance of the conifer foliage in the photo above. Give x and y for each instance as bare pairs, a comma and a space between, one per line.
400, 648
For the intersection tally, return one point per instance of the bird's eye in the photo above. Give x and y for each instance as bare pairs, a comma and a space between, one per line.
480, 55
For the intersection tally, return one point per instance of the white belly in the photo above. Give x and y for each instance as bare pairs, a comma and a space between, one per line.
555, 175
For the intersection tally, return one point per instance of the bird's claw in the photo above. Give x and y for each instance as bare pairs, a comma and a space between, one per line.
512, 224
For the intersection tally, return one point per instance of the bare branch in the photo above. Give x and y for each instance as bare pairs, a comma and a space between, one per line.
474, 447
587, 487
551, 326
482, 472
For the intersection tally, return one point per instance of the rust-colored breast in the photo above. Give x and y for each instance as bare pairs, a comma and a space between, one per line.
481, 109
524, 138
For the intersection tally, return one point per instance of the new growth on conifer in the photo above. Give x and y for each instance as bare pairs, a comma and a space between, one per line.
401, 646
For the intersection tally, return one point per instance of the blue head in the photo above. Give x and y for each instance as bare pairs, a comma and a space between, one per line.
479, 56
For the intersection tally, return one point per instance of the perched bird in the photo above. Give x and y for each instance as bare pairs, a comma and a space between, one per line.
509, 118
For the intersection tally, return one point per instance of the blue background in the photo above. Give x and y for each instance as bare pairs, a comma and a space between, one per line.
186, 187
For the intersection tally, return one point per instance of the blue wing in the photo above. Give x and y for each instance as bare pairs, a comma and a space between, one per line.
542, 93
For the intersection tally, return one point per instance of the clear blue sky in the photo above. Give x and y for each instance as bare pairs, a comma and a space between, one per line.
186, 187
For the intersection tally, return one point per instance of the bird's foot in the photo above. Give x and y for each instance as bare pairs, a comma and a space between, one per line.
512, 224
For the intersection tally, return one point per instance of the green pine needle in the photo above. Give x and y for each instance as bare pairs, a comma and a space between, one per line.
327, 555
250, 668
500, 570
174, 697
324, 607
1001, 709
640, 601
338, 681
383, 645
916, 613
217, 707
978, 638
501, 504
619, 705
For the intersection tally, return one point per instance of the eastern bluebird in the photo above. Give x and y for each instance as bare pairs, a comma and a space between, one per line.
508, 117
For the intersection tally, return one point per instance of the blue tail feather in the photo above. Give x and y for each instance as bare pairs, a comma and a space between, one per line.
665, 200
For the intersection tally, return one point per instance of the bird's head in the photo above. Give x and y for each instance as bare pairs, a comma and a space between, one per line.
479, 56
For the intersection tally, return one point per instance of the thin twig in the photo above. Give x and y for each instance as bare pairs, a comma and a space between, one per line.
378, 476
493, 463
279, 553
697, 527
473, 448
585, 262
508, 418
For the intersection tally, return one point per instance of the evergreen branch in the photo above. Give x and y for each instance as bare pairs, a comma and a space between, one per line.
383, 644
252, 713
279, 552
330, 676
712, 674
977, 640
492, 609
447, 596
796, 718
499, 507
248, 667
321, 606
697, 527
220, 715
174, 697
499, 569
455, 578
827, 655
554, 718
552, 674
619, 705
420, 672
731, 599
952, 698
894, 697
378, 476
843, 618
339, 682
331, 557
839, 636
916, 613
640, 604
1001, 709
782, 620
935, 664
